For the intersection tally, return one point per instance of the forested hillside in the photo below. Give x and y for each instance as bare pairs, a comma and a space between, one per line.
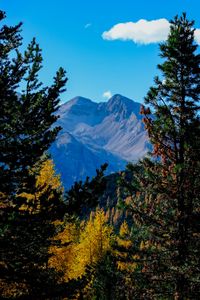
131, 235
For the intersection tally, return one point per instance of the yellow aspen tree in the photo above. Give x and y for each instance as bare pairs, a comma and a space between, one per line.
95, 241
45, 179
63, 256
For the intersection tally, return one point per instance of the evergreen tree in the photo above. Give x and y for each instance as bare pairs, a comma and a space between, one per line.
27, 115
105, 284
26, 239
26, 119
165, 189
85, 195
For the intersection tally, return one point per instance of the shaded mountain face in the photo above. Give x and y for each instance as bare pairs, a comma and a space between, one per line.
95, 133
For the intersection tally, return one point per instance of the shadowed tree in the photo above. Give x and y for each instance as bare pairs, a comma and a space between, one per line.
165, 189
26, 131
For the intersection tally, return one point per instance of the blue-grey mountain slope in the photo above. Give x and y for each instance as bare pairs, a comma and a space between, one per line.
95, 133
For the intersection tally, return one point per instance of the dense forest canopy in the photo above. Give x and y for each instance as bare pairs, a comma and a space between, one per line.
143, 242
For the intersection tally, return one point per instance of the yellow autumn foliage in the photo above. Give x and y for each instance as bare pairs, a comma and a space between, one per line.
95, 241
46, 179
63, 256
85, 245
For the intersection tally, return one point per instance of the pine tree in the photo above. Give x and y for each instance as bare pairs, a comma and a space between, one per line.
85, 195
166, 188
26, 239
26, 131
27, 115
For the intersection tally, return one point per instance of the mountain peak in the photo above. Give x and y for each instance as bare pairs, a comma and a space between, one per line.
78, 100
120, 104
94, 133
117, 98
77, 103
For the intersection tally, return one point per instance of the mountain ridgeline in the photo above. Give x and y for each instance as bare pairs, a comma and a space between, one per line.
94, 133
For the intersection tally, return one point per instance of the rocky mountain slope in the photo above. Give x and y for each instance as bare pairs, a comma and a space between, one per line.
95, 133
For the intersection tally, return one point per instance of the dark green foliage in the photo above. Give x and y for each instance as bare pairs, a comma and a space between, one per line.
106, 279
162, 192
26, 239
176, 135
109, 197
27, 113
165, 195
84, 196
26, 119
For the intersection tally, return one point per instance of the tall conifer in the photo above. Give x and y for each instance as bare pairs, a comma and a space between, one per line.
27, 107
26, 118
165, 200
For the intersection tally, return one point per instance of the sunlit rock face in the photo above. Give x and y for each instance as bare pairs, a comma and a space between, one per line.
94, 133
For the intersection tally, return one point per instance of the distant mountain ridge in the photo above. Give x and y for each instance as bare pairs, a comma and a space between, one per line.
94, 133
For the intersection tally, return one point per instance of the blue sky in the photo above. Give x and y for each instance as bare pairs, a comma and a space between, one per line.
70, 34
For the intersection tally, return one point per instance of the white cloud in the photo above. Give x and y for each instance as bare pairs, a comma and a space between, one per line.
197, 36
107, 94
87, 25
142, 31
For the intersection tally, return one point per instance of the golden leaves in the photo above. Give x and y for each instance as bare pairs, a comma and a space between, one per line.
87, 244
46, 179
